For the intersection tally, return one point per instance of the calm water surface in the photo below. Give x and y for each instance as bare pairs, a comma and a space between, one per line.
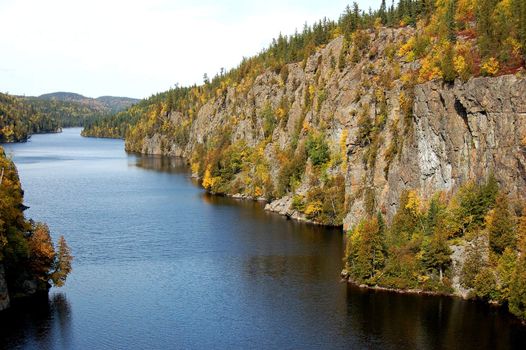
160, 265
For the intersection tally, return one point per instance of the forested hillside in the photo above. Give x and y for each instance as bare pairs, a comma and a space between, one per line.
405, 125
18, 120
29, 261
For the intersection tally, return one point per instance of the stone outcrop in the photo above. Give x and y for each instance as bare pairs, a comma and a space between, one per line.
434, 135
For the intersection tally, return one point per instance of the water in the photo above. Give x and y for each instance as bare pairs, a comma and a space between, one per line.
160, 264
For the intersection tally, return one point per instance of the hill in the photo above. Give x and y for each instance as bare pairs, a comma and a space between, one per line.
18, 120
103, 104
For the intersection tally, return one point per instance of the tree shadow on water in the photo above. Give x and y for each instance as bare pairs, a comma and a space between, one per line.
42, 322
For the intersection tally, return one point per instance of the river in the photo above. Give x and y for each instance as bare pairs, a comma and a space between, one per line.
160, 264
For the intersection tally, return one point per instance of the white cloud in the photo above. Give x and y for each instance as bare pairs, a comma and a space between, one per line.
136, 48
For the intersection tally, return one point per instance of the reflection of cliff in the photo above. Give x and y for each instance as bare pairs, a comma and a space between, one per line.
39, 323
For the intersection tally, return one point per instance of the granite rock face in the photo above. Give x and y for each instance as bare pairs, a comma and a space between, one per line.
445, 135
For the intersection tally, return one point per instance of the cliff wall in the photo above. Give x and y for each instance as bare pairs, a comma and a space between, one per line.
384, 131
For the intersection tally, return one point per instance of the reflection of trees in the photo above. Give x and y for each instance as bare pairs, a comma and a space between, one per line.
173, 165
392, 320
42, 322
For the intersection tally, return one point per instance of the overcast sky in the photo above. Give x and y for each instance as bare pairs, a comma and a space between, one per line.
139, 47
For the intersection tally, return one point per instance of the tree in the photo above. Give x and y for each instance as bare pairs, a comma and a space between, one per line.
450, 21
485, 26
437, 254
366, 250
62, 263
485, 285
42, 252
382, 13
501, 225
505, 270
475, 261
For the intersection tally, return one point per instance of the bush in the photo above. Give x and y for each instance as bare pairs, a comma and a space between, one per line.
317, 150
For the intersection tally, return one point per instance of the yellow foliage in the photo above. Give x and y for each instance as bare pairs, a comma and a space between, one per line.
490, 66
313, 208
429, 70
280, 112
343, 148
311, 92
460, 65
413, 202
377, 23
208, 180
516, 46
406, 50
306, 126
336, 32
195, 168
406, 78
258, 192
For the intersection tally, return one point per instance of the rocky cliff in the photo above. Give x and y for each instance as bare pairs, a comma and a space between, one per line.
383, 131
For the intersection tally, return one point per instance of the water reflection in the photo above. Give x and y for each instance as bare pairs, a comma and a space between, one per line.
173, 165
43, 322
430, 322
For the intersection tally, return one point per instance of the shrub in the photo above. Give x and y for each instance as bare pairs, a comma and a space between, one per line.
317, 149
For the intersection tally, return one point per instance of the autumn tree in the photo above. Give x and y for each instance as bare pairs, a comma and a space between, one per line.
62, 263
42, 252
500, 225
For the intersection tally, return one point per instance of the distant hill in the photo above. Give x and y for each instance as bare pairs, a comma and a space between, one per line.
117, 104
103, 104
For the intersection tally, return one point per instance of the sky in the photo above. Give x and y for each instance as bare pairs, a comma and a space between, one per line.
136, 48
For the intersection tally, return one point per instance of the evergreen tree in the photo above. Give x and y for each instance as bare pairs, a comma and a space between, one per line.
382, 13
501, 226
437, 254
450, 22
485, 26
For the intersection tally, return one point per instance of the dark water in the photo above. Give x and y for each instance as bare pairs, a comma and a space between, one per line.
160, 265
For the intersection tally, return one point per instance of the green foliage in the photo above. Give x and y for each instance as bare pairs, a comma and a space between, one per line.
325, 204
317, 149
292, 169
501, 226
366, 250
485, 285
473, 264
517, 301
416, 250
269, 120
472, 203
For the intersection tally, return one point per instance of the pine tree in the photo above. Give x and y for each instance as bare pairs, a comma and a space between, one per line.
450, 22
501, 226
437, 254
485, 26
382, 13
